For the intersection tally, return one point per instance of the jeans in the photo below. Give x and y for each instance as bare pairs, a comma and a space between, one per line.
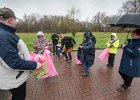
85, 67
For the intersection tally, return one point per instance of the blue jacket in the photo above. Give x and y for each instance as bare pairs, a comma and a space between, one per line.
130, 62
15, 64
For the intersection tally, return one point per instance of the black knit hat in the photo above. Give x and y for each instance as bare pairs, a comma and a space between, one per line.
6, 13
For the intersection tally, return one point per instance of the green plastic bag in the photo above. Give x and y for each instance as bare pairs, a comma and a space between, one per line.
38, 73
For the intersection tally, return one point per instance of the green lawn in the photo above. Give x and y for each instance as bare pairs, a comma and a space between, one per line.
101, 37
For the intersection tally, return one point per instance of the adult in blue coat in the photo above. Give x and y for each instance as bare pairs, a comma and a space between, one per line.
15, 64
87, 53
130, 62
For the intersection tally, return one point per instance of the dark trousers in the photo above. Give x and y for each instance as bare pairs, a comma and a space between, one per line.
111, 59
68, 55
54, 48
19, 93
127, 79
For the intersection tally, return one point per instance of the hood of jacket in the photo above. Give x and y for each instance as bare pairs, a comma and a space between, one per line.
114, 34
87, 36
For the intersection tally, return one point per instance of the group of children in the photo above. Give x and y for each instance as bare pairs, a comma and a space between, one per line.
86, 49
129, 67
66, 41
85, 53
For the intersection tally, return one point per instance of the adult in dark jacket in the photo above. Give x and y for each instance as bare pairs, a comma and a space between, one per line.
130, 62
15, 64
68, 42
87, 53
55, 38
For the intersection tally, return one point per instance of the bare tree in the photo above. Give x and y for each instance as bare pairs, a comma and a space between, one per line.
131, 6
73, 14
97, 21
105, 23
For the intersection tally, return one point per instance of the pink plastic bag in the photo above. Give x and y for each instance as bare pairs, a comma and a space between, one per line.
36, 57
104, 54
51, 69
45, 57
77, 61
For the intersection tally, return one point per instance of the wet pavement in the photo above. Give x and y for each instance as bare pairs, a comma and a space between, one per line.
71, 85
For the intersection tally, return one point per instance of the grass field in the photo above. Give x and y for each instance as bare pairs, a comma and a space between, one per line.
101, 37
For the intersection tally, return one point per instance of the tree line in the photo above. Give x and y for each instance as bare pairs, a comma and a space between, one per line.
71, 23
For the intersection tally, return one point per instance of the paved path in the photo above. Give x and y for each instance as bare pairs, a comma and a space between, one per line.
70, 85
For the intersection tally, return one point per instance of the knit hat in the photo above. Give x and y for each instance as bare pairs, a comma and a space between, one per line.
40, 33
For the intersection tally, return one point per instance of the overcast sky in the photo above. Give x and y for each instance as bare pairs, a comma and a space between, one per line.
88, 8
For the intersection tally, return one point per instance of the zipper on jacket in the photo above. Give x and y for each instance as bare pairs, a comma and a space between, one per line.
131, 62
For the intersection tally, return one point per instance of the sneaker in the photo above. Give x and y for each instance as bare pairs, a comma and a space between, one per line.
85, 74
123, 85
110, 66
122, 89
69, 61
107, 65
66, 59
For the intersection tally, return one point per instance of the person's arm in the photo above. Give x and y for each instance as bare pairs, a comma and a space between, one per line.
9, 55
62, 43
108, 44
134, 52
116, 44
36, 45
89, 46
73, 41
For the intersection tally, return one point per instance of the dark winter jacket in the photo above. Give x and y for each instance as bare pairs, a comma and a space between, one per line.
130, 62
55, 38
87, 52
68, 41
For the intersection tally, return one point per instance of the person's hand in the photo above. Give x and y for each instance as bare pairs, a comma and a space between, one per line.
80, 46
39, 65
111, 46
46, 47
